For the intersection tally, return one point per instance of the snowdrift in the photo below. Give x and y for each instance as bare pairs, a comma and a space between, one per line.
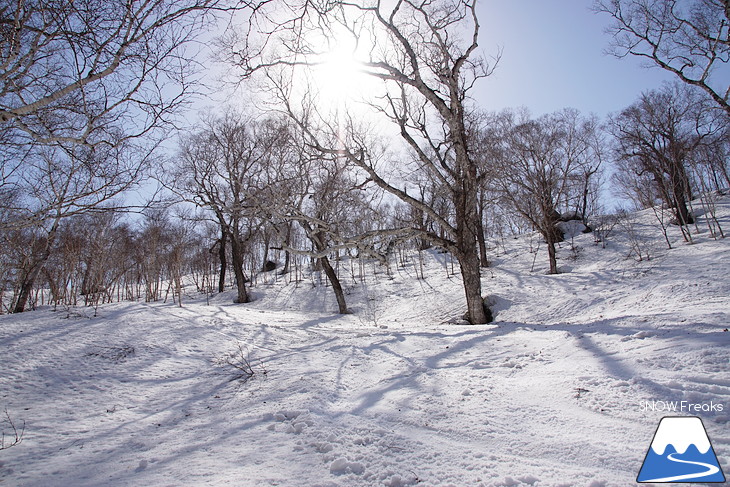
555, 392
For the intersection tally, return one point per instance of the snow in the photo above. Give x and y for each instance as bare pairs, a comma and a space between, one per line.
556, 392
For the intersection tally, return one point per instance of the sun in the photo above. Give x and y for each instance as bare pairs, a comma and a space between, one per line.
337, 73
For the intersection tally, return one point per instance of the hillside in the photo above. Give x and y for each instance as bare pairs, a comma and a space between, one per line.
553, 393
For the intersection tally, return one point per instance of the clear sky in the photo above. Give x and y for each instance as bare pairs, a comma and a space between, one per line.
553, 57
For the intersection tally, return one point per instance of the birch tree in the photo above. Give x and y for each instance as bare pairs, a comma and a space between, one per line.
61, 182
688, 38
426, 54
546, 168
222, 169
75, 71
658, 136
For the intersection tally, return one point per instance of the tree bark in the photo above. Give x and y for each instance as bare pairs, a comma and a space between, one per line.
223, 260
336, 286
552, 256
483, 259
319, 244
30, 276
237, 255
680, 186
471, 277
465, 199
287, 254
267, 242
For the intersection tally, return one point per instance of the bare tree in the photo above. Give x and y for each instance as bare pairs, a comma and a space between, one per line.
689, 38
330, 200
87, 259
545, 168
656, 140
533, 176
222, 169
71, 70
586, 146
712, 159
316, 210
61, 182
426, 54
15, 437
86, 91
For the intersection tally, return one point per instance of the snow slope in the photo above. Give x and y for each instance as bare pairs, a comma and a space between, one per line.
554, 393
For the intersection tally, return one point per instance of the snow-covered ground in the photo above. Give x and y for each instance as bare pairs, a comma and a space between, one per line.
553, 393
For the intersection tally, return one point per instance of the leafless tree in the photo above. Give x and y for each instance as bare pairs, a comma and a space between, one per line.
70, 71
656, 140
586, 146
427, 56
79, 76
545, 166
331, 200
86, 91
88, 258
689, 38
712, 159
63, 181
222, 168
318, 208
15, 437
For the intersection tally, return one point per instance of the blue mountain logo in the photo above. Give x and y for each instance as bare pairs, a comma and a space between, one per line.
680, 452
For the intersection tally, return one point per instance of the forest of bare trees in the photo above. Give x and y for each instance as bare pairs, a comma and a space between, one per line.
89, 100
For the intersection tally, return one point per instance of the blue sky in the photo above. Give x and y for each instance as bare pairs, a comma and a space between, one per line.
553, 57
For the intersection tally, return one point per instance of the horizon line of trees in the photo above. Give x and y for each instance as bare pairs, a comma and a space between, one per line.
87, 95
255, 195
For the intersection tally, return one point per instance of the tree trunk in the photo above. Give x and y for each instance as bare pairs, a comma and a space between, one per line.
319, 244
682, 213
483, 259
472, 279
339, 293
237, 255
552, 256
287, 262
223, 261
467, 253
30, 276
25, 289
584, 207
267, 243
681, 192
287, 254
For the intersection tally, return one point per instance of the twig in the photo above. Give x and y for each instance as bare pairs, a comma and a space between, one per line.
17, 437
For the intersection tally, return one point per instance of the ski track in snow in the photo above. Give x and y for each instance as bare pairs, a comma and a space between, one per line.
396, 394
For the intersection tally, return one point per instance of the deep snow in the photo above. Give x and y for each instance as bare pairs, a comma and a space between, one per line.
554, 393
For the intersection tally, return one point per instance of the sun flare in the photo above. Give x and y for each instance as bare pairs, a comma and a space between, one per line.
337, 75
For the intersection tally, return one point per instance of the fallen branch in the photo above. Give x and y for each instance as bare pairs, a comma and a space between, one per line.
17, 437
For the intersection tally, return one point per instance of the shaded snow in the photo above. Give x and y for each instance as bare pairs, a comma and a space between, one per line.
396, 394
